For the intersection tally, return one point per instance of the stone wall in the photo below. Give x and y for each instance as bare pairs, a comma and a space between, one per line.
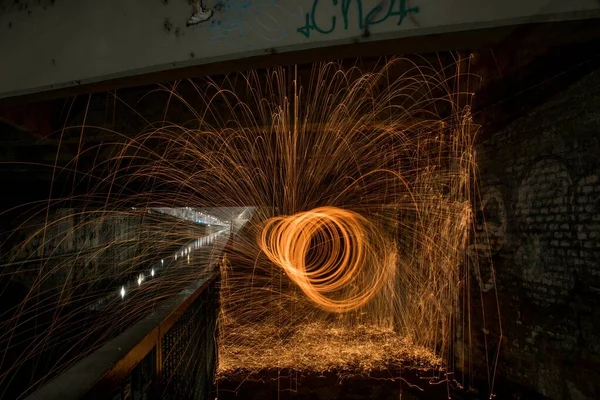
540, 200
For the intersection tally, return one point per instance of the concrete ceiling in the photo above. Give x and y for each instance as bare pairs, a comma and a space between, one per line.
77, 43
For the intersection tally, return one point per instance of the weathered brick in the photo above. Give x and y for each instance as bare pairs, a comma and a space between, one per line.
572, 253
553, 231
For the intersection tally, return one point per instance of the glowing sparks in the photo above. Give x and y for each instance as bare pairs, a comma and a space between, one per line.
361, 188
365, 214
357, 349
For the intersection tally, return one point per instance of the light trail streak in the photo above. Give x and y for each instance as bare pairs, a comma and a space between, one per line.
362, 186
347, 259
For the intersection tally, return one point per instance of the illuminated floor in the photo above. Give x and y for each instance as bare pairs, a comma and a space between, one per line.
319, 347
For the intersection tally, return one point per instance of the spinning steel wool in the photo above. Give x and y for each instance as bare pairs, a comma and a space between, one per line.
362, 187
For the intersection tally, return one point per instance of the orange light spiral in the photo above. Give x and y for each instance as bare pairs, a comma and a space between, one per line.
334, 256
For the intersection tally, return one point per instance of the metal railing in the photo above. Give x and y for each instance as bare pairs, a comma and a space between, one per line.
170, 354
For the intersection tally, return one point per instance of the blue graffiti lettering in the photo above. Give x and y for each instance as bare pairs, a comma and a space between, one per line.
396, 8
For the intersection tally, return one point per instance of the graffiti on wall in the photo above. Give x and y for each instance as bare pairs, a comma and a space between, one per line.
543, 212
199, 13
490, 230
327, 16
259, 19
262, 18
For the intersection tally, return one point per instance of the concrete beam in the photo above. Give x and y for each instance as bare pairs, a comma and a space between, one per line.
51, 45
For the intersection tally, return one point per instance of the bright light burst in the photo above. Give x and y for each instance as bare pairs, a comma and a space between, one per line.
361, 183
